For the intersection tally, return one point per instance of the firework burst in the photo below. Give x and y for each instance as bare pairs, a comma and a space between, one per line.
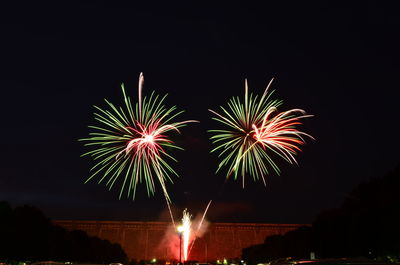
131, 143
255, 130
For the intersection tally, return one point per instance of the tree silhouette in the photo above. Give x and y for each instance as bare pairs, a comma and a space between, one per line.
26, 234
366, 225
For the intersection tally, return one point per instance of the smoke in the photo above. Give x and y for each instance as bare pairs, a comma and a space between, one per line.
170, 242
199, 228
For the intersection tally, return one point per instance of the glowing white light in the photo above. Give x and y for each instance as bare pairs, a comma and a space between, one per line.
149, 138
185, 232
180, 229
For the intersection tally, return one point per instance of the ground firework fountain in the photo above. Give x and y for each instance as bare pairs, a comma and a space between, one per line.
185, 233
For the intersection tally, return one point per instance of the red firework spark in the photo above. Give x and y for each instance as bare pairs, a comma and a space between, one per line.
149, 140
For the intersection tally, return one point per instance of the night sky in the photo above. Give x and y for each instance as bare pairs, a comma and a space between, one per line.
337, 61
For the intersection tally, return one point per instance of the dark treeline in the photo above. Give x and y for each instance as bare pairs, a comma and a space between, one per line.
366, 225
26, 234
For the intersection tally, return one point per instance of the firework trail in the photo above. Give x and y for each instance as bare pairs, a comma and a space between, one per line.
199, 227
204, 215
255, 130
131, 143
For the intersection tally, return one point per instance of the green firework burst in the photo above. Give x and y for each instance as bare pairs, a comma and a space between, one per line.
130, 143
255, 130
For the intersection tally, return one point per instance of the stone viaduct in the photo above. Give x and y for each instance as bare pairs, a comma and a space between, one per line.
148, 240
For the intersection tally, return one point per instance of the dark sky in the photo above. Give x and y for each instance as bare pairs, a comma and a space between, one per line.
337, 61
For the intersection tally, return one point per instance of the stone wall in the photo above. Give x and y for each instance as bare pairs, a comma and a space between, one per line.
147, 240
